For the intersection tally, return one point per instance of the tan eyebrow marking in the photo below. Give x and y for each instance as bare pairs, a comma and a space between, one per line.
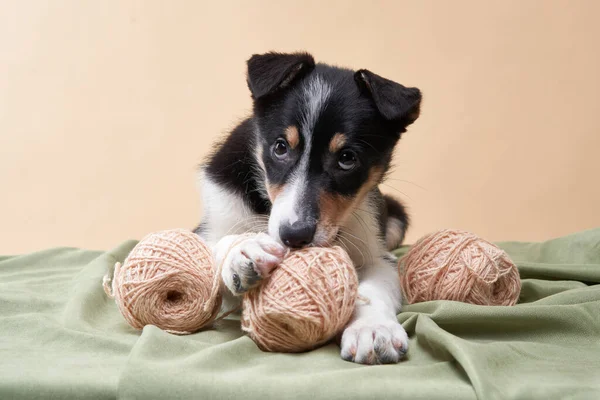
292, 136
337, 142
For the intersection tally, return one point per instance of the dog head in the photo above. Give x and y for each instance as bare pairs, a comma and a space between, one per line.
324, 138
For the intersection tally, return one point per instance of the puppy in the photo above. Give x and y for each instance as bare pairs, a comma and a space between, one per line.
304, 169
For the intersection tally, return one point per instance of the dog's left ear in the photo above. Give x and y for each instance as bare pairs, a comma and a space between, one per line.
394, 101
270, 72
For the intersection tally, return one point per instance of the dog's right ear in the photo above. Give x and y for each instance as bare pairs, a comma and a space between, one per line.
270, 72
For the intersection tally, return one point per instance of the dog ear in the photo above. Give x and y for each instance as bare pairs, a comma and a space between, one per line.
394, 101
267, 73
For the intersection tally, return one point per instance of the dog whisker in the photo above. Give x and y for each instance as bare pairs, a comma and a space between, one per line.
405, 181
230, 165
344, 246
343, 240
370, 145
341, 237
396, 189
250, 220
363, 243
361, 221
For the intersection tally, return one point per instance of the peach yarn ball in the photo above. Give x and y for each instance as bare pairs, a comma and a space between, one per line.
167, 280
460, 266
305, 302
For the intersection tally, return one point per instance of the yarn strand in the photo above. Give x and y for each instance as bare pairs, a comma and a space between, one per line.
167, 280
460, 266
170, 279
307, 300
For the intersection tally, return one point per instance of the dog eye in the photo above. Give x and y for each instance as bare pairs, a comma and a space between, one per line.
347, 160
280, 149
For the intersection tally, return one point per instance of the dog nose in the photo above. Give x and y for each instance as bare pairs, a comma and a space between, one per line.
297, 235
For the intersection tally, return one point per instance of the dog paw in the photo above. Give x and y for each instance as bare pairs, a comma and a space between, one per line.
374, 341
249, 261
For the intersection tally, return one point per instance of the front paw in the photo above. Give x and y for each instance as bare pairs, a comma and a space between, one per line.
374, 340
249, 261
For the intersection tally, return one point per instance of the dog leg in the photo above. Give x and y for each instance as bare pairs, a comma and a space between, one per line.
374, 335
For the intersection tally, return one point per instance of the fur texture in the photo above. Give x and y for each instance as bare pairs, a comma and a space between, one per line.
305, 168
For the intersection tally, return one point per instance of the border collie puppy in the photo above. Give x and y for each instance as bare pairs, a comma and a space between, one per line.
304, 169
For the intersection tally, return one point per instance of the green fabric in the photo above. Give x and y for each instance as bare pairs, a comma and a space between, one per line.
61, 338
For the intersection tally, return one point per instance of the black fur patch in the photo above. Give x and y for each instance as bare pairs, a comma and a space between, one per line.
348, 110
395, 209
370, 111
233, 166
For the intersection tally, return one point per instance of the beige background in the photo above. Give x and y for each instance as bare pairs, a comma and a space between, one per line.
106, 107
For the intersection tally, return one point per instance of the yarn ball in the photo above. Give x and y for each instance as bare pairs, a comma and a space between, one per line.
460, 266
167, 280
305, 302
